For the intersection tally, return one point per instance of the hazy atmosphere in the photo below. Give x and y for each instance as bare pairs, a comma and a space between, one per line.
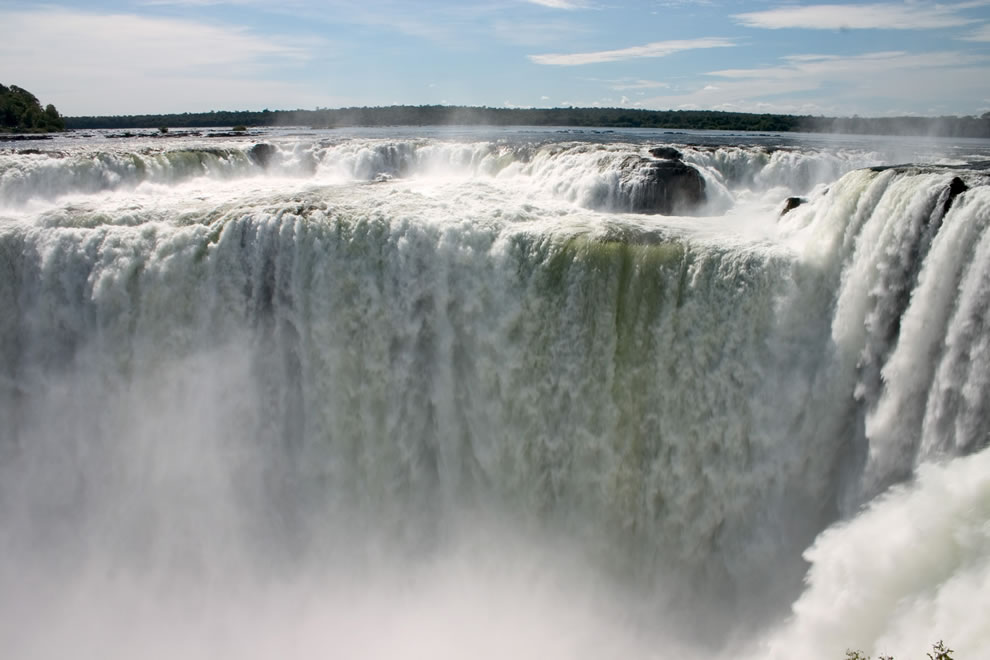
157, 56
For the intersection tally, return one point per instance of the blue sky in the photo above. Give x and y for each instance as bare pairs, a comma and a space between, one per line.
156, 56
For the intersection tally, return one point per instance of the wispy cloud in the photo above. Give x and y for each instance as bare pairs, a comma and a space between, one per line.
191, 3
148, 64
889, 16
624, 84
127, 41
195, 3
832, 84
560, 4
456, 25
859, 66
676, 4
655, 49
537, 33
980, 34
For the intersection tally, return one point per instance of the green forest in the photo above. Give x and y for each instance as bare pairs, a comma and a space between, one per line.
439, 115
21, 112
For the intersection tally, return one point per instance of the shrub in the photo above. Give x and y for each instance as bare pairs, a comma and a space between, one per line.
939, 652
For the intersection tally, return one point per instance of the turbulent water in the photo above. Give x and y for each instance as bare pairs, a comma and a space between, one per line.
382, 395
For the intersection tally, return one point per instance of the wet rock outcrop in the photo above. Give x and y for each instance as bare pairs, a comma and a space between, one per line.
663, 186
262, 154
956, 187
668, 153
792, 203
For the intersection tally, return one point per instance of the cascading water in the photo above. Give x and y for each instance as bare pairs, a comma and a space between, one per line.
397, 398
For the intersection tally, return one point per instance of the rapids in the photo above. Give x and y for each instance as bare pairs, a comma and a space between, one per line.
396, 396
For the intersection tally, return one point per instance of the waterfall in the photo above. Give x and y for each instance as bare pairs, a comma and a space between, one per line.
349, 364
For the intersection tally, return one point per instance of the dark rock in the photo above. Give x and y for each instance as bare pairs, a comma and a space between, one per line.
791, 204
956, 187
666, 152
262, 154
667, 187
227, 134
21, 137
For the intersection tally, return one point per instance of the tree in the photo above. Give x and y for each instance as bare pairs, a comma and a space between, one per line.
21, 111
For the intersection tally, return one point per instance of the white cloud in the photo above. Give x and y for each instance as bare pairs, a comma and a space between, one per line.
825, 67
624, 84
889, 16
457, 25
826, 84
154, 45
196, 3
84, 62
559, 4
980, 34
537, 33
655, 49
677, 4
809, 58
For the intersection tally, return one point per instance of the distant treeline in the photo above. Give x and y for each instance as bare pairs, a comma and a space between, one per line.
438, 115
21, 112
